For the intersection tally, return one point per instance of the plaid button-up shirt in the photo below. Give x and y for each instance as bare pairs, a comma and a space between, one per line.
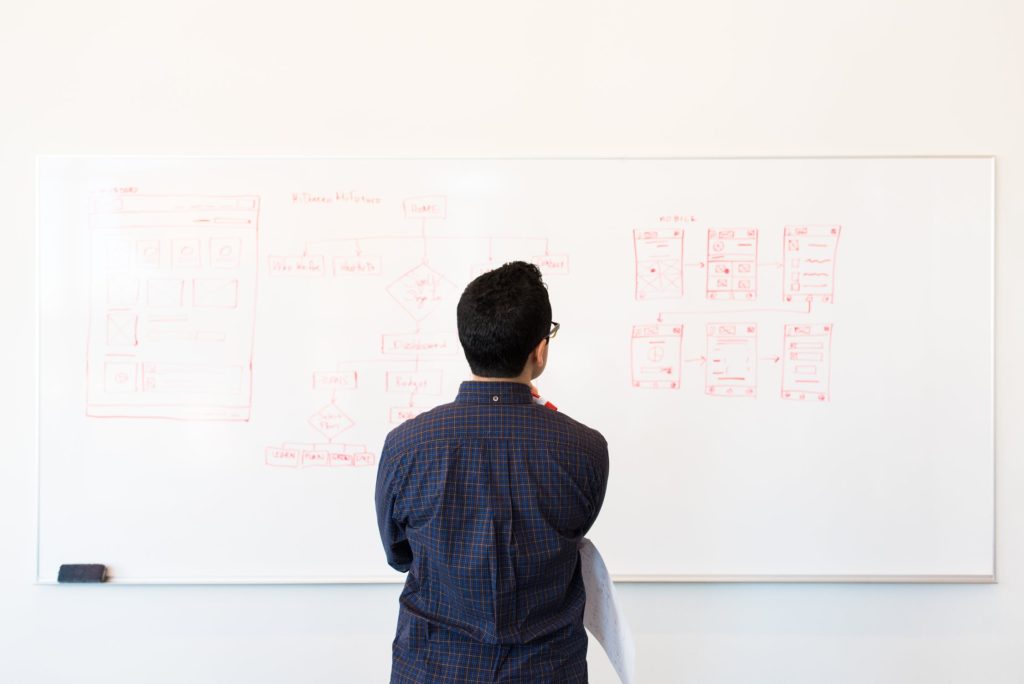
483, 501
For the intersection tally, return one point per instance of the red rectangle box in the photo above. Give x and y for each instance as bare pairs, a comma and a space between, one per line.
335, 380
810, 262
731, 366
657, 356
400, 414
216, 293
414, 382
172, 211
120, 376
160, 203
188, 378
340, 459
122, 329
432, 206
806, 375
658, 256
225, 252
356, 265
552, 264
147, 253
174, 260
341, 455
122, 291
312, 265
732, 263
345, 455
282, 457
315, 458
418, 344
164, 292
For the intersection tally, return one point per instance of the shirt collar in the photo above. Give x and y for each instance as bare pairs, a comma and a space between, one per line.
476, 392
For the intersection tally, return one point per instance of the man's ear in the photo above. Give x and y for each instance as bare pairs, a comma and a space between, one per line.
540, 356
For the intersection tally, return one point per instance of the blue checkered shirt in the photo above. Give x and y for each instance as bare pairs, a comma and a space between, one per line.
483, 501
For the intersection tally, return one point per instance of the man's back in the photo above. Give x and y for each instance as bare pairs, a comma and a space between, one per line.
484, 501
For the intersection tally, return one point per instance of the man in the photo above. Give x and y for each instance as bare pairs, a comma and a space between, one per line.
483, 502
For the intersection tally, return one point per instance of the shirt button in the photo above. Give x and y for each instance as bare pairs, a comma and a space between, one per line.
494, 398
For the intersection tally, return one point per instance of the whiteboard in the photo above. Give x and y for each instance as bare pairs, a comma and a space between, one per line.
791, 359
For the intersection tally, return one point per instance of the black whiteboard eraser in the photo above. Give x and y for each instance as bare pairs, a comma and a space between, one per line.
82, 573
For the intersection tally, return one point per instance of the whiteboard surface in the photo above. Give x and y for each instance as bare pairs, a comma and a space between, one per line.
791, 358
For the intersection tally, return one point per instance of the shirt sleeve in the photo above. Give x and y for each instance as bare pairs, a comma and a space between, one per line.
392, 534
598, 482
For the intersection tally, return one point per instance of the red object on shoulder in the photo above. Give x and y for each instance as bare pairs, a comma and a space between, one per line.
537, 399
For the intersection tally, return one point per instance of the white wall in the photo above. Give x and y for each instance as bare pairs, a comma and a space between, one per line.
524, 78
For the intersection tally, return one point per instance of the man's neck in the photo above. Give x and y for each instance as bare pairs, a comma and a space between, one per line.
523, 378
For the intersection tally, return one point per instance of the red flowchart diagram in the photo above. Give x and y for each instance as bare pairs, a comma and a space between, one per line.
410, 368
329, 421
313, 455
734, 277
174, 282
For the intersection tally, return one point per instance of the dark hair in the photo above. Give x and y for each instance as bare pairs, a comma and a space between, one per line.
502, 315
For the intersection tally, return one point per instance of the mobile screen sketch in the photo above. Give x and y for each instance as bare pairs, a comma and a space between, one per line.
659, 263
657, 356
732, 263
807, 362
173, 306
732, 359
810, 262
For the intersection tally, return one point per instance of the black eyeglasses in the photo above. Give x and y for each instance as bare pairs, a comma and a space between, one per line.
554, 329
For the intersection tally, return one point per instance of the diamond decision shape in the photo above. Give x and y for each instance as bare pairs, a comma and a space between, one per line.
331, 421
420, 291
